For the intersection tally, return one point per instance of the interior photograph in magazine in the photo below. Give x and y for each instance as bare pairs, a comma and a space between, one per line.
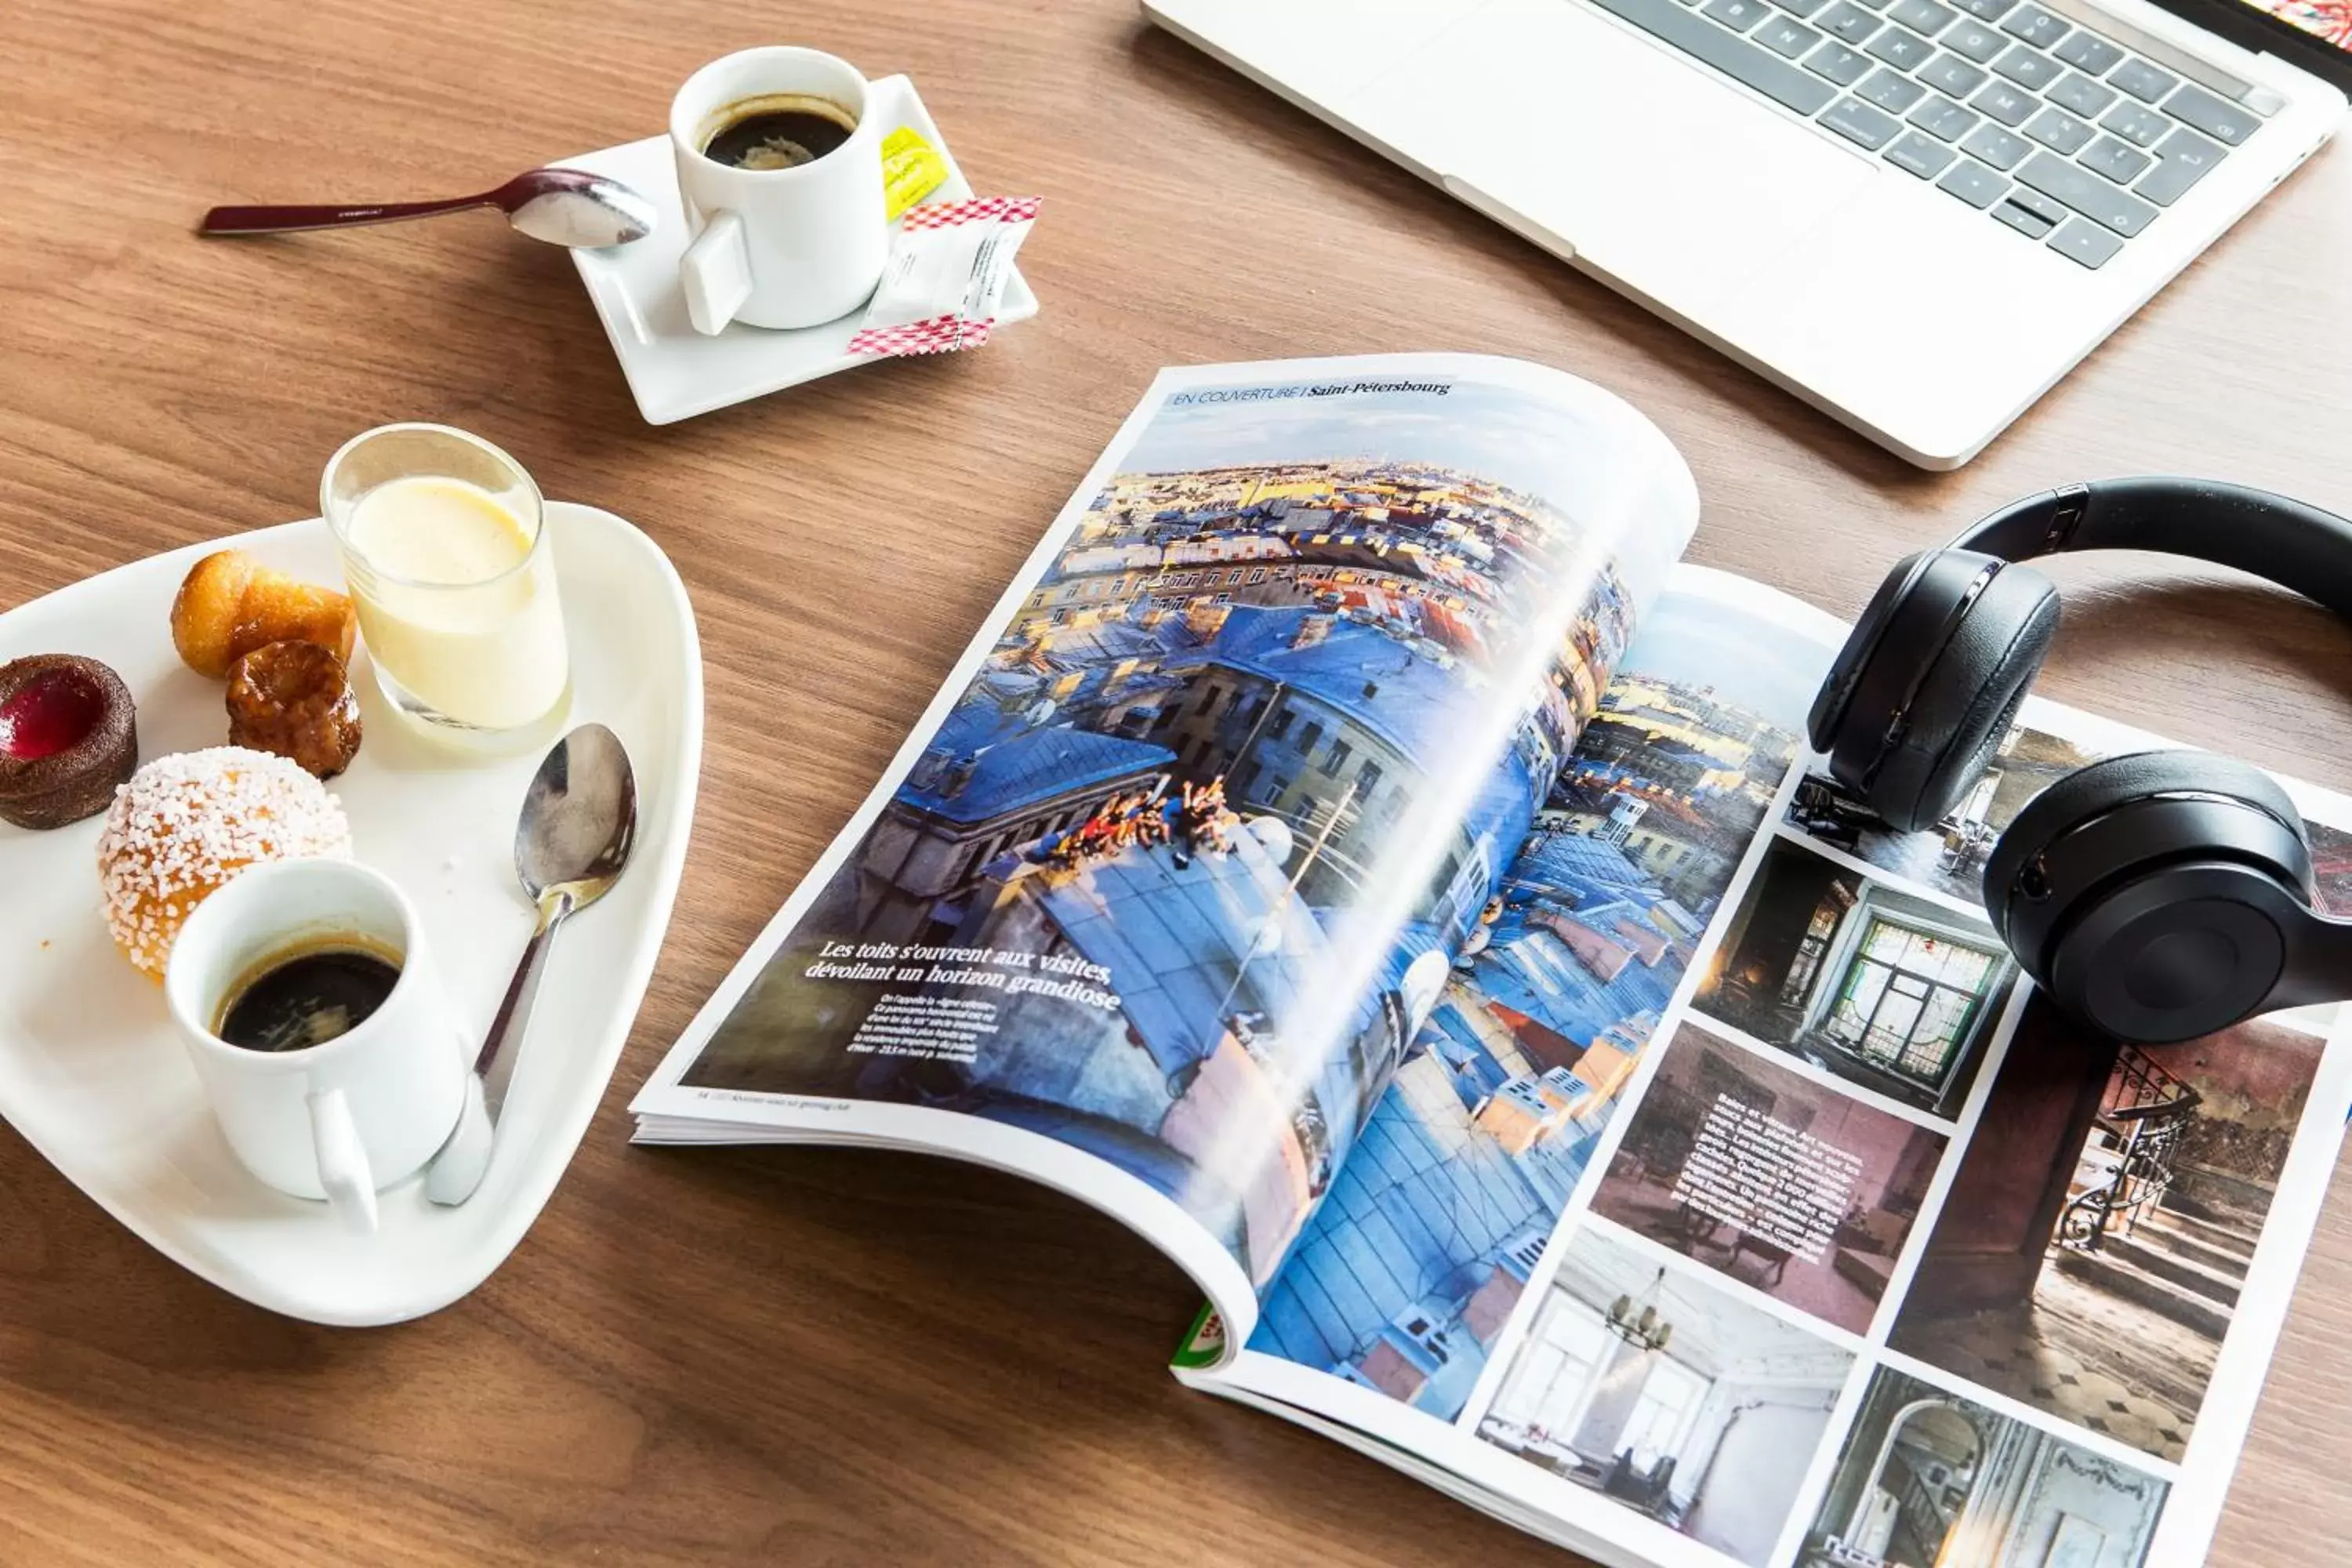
1181, 867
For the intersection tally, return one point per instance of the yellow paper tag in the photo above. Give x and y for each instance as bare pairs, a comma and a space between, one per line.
911, 170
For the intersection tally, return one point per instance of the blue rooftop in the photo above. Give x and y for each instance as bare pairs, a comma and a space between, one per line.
1577, 870
1190, 946
1024, 766
1423, 1211
1532, 972
1417, 704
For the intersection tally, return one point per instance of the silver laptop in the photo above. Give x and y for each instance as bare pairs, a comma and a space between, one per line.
1916, 214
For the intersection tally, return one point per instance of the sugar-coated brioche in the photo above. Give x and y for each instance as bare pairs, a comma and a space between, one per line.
187, 823
230, 604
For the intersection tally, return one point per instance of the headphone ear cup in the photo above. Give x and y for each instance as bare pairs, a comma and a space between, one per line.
1967, 700
1829, 726
2024, 914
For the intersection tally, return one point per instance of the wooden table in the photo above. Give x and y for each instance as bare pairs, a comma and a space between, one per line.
808, 1357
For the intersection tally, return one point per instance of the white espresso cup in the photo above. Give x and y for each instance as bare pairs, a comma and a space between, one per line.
777, 248
341, 1120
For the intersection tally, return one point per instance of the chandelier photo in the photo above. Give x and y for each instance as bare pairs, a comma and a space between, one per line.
1635, 1319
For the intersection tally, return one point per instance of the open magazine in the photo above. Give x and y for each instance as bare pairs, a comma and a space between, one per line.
1359, 856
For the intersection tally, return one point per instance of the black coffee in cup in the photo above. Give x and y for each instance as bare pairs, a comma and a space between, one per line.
778, 131
307, 995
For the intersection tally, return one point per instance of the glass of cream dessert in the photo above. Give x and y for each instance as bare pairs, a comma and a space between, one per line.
444, 542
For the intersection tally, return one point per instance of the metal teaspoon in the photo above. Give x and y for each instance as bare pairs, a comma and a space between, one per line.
562, 207
579, 819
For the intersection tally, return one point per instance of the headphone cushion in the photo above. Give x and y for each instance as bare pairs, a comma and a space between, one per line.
1969, 700
2116, 781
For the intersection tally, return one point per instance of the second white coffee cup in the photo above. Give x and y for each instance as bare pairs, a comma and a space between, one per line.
341, 1120
779, 247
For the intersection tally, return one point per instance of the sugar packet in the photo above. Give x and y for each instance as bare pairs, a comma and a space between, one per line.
946, 276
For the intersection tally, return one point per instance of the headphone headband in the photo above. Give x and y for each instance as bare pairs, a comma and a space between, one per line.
2297, 546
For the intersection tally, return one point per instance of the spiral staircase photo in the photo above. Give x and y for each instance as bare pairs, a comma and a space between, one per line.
2096, 1240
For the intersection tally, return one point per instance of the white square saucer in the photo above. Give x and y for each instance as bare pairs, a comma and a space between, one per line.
675, 372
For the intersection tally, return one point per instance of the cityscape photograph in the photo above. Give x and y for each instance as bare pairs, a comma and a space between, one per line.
1408, 1273
1239, 773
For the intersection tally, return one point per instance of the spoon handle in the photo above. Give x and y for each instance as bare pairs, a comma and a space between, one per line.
287, 219
495, 1066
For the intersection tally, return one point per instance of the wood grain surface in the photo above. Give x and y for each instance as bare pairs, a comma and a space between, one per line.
827, 1357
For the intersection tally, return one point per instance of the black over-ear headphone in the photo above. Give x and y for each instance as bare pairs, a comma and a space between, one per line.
2160, 896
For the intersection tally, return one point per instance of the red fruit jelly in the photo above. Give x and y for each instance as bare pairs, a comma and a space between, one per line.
52, 713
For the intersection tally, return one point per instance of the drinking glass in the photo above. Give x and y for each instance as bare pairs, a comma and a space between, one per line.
444, 544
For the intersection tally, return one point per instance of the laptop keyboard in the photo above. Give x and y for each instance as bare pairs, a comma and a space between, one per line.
2067, 137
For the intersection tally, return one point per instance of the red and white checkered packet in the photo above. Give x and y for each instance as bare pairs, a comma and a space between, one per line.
945, 278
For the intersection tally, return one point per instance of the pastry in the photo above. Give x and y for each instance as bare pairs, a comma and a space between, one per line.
230, 604
187, 823
68, 734
293, 699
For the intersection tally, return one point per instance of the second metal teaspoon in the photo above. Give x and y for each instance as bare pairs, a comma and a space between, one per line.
578, 818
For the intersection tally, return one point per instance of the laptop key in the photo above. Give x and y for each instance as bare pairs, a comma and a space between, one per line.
1847, 22
2022, 218
1986, 10
2059, 131
1735, 57
2118, 161
1839, 64
1922, 16
1943, 119
2142, 127
2088, 53
1995, 146
1801, 7
1972, 183
1786, 36
2078, 240
1857, 121
2221, 120
2011, 105
2040, 206
2142, 80
1951, 75
2086, 193
1921, 155
1890, 91
1977, 41
1736, 15
2183, 160
2027, 69
2081, 94
2036, 27
1900, 49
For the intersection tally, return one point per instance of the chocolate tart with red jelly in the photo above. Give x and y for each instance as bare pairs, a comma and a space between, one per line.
69, 735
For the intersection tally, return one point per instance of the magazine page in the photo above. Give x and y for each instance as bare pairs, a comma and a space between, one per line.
1873, 1257
1152, 899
